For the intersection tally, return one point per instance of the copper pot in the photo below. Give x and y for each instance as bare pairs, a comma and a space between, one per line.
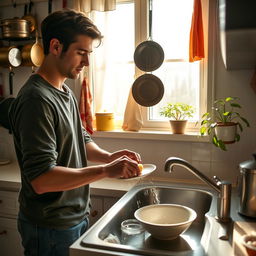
32, 54
15, 28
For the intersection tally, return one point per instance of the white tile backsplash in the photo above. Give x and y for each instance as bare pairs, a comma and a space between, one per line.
201, 151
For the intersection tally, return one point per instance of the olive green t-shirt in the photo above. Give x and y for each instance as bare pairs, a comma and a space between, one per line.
47, 132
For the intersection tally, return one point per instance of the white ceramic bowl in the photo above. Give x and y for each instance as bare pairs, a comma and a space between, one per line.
165, 221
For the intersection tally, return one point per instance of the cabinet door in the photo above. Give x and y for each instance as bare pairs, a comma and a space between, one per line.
9, 203
109, 202
10, 242
97, 209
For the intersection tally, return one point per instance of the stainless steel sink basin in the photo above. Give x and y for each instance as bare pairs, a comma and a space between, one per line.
192, 242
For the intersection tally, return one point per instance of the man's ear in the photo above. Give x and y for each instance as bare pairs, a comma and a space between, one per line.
55, 46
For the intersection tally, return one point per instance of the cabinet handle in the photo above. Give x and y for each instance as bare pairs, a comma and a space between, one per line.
1, 201
94, 213
4, 232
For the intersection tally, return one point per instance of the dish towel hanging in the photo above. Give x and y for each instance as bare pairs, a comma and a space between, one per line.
196, 42
132, 116
85, 106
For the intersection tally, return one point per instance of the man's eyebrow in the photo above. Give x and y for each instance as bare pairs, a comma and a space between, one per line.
85, 50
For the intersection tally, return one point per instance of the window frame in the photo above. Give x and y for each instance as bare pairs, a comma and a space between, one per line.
207, 78
141, 34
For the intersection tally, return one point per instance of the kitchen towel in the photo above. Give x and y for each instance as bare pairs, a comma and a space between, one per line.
196, 42
85, 106
132, 116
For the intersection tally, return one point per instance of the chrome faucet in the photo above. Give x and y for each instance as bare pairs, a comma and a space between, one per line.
223, 188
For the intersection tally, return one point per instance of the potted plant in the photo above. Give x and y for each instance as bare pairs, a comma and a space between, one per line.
178, 113
223, 122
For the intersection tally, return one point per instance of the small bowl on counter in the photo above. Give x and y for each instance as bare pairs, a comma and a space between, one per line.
249, 242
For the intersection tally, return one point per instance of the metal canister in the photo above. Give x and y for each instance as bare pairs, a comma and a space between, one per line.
247, 188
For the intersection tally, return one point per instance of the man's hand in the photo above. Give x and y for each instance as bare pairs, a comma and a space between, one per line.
122, 167
125, 152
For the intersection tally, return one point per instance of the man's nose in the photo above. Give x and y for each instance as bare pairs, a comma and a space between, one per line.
86, 60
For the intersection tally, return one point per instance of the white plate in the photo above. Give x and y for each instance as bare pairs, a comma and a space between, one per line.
147, 169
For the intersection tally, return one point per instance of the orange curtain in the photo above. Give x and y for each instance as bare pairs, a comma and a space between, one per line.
85, 106
196, 44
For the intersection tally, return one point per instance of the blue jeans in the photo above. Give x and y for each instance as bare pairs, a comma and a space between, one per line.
39, 241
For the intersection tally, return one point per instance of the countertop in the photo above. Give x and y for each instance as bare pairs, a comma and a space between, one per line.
10, 180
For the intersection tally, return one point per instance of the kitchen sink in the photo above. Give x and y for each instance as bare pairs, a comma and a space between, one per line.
193, 242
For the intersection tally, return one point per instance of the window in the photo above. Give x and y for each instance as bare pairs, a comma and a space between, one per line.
114, 68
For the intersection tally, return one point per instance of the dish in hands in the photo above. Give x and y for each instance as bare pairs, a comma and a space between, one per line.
146, 170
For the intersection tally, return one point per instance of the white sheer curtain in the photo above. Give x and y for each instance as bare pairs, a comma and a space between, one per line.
94, 5
111, 65
87, 6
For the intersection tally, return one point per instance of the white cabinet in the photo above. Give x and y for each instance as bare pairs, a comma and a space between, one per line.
100, 205
10, 242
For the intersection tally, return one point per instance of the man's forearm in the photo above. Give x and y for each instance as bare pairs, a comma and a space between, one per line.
96, 154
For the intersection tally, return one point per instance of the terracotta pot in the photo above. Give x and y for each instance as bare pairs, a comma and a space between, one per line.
226, 132
178, 126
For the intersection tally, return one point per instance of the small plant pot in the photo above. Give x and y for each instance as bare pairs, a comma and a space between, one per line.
178, 126
226, 132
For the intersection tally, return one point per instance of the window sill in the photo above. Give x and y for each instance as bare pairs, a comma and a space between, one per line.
151, 135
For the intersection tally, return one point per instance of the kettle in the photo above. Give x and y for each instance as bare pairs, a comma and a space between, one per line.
247, 187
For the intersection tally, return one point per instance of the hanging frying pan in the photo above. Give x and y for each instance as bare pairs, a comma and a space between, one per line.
32, 54
149, 55
147, 90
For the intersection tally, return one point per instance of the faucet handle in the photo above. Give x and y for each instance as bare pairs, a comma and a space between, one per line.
218, 181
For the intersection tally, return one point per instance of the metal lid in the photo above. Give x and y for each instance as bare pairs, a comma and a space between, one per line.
249, 165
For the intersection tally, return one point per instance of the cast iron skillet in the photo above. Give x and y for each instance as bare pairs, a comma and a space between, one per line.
149, 55
147, 90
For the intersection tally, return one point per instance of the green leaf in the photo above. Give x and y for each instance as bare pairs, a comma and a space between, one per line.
246, 122
204, 122
205, 114
237, 137
229, 99
215, 141
240, 126
227, 113
222, 145
235, 105
203, 130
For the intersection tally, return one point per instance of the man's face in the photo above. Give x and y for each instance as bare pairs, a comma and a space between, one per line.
72, 61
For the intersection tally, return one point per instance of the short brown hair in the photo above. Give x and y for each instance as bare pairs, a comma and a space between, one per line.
66, 25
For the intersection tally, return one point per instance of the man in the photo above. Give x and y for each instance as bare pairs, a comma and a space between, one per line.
52, 147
